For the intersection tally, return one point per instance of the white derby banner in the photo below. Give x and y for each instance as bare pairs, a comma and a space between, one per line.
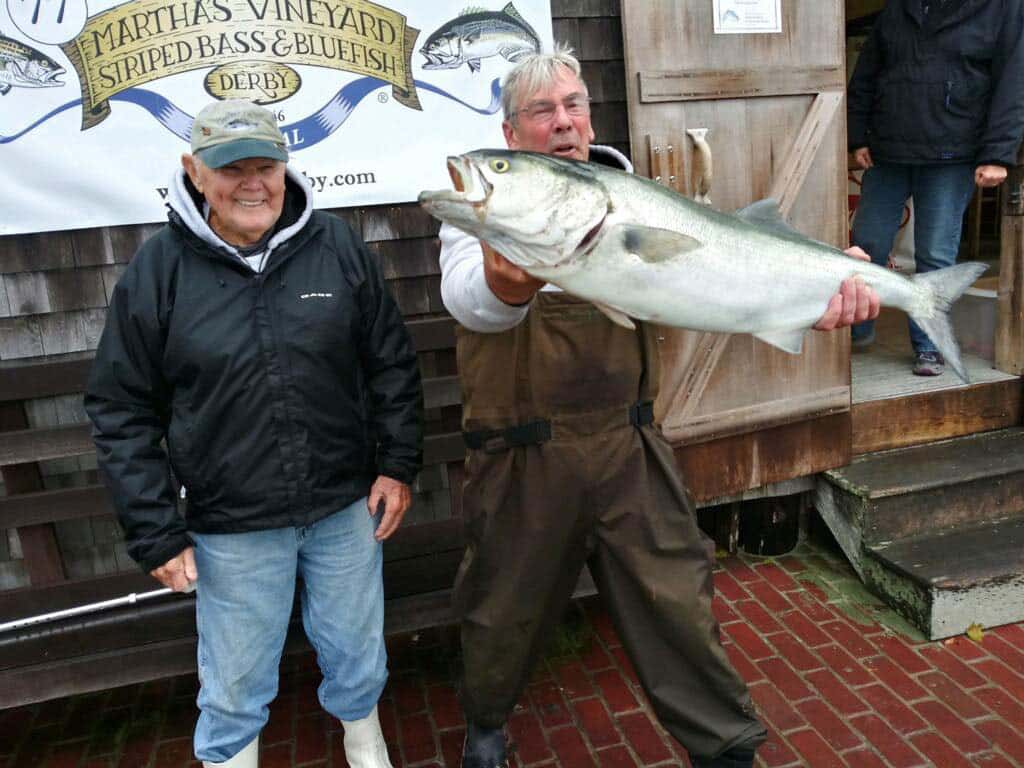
96, 102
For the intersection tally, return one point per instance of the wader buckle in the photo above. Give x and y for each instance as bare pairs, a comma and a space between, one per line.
641, 414
498, 440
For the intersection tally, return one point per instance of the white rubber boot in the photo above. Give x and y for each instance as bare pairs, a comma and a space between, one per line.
364, 743
247, 758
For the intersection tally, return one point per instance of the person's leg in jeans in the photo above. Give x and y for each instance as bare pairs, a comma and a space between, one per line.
885, 188
341, 563
243, 601
941, 194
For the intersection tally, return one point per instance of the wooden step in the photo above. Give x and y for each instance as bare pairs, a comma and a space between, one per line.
892, 408
946, 581
891, 495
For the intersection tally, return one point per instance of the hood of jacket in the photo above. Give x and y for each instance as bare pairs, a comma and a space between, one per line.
189, 207
610, 156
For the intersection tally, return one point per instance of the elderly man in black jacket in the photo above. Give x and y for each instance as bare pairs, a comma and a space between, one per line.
256, 339
936, 106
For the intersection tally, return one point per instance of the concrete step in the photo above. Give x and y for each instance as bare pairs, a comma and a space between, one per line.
938, 529
947, 581
890, 495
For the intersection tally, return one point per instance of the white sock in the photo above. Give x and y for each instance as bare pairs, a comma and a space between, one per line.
364, 742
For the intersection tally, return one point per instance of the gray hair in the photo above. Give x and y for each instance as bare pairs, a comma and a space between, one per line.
536, 71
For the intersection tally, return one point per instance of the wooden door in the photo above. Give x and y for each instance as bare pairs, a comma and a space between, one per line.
740, 413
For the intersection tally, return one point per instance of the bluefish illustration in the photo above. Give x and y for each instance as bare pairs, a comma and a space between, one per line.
478, 34
25, 67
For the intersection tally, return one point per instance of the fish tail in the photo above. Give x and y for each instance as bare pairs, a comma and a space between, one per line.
944, 286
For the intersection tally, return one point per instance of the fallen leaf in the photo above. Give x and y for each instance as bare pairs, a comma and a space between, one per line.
976, 632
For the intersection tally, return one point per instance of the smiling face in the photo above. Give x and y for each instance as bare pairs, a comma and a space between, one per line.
560, 133
246, 197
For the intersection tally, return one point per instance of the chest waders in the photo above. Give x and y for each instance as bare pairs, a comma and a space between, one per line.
565, 467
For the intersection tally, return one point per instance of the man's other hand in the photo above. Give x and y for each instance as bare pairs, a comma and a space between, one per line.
862, 157
507, 281
855, 302
396, 497
178, 573
989, 175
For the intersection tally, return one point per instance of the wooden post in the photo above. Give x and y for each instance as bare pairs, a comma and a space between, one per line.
1009, 344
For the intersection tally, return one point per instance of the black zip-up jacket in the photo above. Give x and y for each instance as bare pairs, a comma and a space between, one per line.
282, 395
943, 88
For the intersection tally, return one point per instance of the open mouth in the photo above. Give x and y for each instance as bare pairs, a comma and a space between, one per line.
33, 76
564, 150
436, 61
470, 185
471, 189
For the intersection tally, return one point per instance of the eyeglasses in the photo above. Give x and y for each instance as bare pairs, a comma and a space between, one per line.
544, 111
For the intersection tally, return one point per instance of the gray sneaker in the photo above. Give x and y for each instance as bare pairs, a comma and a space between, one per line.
928, 364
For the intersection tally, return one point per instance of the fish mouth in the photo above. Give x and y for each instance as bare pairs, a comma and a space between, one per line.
50, 78
470, 185
471, 188
37, 79
436, 61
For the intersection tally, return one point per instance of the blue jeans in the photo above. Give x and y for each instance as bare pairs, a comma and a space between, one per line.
244, 600
941, 194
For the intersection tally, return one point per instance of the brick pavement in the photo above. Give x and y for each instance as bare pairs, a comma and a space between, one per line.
838, 678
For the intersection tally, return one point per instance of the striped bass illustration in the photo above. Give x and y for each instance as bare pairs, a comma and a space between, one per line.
24, 67
478, 34
639, 250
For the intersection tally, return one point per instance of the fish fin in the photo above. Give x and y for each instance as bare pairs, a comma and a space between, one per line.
510, 11
787, 341
946, 285
617, 317
652, 244
765, 213
474, 64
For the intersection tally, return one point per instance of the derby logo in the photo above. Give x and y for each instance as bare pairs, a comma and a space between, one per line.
135, 43
261, 82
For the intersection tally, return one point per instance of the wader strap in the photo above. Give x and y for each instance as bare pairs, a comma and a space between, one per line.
495, 440
539, 431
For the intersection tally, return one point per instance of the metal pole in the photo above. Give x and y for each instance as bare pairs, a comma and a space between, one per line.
103, 605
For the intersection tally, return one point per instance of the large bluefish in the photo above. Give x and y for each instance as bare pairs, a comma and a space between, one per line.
24, 67
639, 250
478, 34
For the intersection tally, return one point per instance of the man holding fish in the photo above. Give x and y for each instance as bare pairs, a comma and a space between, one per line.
566, 467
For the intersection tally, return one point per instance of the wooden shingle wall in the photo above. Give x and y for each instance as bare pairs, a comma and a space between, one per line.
54, 289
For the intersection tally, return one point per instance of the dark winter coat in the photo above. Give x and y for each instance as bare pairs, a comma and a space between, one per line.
946, 87
281, 395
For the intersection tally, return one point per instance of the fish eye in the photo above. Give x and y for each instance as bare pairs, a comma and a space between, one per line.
499, 165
